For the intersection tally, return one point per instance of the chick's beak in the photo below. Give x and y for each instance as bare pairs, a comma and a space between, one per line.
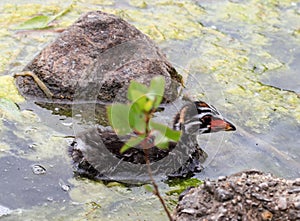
221, 125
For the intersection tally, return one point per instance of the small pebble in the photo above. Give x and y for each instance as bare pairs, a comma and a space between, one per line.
50, 199
297, 190
263, 186
239, 183
260, 197
188, 211
266, 215
208, 186
244, 176
239, 198
248, 201
222, 195
248, 182
297, 205
272, 183
282, 203
221, 178
296, 182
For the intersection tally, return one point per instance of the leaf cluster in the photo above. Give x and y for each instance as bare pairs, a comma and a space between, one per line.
135, 118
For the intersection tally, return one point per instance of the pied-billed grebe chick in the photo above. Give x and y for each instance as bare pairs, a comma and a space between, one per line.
96, 154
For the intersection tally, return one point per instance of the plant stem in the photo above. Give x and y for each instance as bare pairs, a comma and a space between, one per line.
156, 190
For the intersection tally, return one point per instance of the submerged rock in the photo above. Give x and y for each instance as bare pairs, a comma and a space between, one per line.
249, 195
95, 59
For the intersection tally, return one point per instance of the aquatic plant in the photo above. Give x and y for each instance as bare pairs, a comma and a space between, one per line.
135, 118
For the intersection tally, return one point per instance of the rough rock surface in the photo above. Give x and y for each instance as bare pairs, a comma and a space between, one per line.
99, 54
249, 195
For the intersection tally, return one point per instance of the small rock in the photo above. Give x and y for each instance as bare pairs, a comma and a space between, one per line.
221, 178
188, 211
263, 186
297, 190
260, 197
239, 183
282, 203
208, 186
272, 183
239, 198
297, 205
266, 215
244, 176
296, 182
248, 202
223, 195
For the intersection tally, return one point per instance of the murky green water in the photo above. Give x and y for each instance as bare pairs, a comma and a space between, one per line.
240, 56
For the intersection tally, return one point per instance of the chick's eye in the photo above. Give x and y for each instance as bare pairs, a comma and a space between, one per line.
206, 119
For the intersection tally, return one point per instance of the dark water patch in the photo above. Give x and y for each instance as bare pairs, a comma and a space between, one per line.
24, 189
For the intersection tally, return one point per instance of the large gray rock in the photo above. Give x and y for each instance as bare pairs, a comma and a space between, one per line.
249, 195
97, 57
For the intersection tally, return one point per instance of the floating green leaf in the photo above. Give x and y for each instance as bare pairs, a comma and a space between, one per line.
41, 21
118, 115
37, 22
149, 188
